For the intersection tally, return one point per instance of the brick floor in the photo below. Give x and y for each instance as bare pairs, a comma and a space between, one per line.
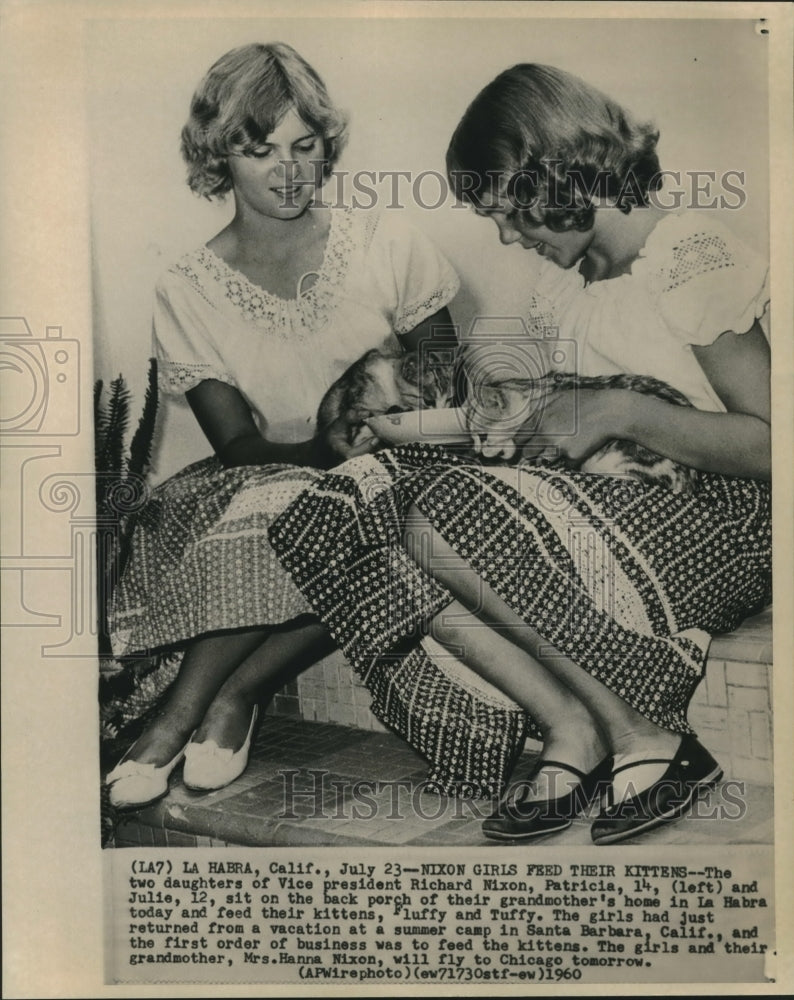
319, 783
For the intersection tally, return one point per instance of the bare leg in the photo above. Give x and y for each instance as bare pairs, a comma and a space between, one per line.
210, 664
622, 729
205, 666
285, 654
570, 732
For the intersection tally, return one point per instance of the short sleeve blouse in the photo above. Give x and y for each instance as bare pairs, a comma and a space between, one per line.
693, 281
380, 277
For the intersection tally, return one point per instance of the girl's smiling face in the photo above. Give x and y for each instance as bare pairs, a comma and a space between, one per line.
279, 177
565, 249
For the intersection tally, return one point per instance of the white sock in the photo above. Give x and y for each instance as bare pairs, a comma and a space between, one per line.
639, 773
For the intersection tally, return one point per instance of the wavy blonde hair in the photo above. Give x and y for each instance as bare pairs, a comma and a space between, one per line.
551, 142
241, 100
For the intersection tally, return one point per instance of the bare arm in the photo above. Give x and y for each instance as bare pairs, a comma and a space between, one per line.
736, 443
228, 424
227, 421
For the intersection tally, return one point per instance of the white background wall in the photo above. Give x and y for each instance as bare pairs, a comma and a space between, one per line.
405, 84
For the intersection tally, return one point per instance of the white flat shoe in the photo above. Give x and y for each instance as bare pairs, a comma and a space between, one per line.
208, 766
133, 784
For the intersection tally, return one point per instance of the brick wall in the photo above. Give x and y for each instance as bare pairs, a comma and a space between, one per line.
732, 713
328, 692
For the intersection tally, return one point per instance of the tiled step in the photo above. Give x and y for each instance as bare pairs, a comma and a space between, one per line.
319, 784
732, 708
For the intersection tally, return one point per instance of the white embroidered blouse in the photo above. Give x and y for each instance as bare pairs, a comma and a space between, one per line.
379, 277
693, 281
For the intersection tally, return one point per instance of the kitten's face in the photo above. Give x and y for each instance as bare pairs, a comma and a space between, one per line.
498, 403
495, 413
425, 380
382, 391
380, 383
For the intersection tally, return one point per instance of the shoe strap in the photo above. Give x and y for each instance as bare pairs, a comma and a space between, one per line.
630, 765
642, 763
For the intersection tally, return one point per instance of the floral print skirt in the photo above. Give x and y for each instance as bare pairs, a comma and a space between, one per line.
628, 581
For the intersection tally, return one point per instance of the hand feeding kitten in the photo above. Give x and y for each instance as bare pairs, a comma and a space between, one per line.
387, 383
382, 383
495, 411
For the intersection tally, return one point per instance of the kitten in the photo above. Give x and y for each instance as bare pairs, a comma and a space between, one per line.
382, 383
389, 383
494, 411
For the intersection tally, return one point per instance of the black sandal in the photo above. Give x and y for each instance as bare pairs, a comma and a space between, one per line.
691, 770
519, 818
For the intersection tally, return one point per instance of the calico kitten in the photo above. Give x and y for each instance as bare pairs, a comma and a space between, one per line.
382, 383
517, 399
389, 383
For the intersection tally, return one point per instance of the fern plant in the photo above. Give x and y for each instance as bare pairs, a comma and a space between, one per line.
129, 687
120, 483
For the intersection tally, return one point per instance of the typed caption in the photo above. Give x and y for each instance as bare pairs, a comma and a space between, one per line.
283, 916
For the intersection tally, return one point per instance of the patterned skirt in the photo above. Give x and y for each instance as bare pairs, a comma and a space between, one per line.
200, 558
628, 581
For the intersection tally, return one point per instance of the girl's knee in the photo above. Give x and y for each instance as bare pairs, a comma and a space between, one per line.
447, 631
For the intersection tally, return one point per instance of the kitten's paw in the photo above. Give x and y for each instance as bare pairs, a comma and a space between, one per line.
498, 447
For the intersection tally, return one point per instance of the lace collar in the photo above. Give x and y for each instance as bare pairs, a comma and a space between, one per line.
311, 309
563, 285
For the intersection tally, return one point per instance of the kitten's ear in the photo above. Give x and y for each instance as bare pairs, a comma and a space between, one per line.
408, 365
432, 357
491, 398
442, 359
